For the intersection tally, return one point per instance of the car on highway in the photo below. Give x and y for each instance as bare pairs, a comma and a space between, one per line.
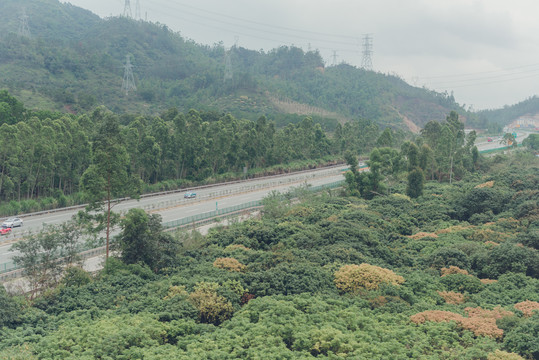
12, 222
4, 230
190, 195
489, 139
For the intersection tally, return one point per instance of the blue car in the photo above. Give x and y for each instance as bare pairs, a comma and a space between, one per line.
190, 195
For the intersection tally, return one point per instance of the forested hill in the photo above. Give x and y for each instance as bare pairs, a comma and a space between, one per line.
74, 61
527, 109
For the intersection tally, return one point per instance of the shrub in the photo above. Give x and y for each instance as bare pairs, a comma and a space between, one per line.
509, 258
483, 322
527, 307
453, 270
174, 291
451, 297
446, 257
76, 276
502, 355
436, 316
229, 264
9, 309
488, 281
522, 338
421, 235
479, 321
352, 278
462, 283
212, 308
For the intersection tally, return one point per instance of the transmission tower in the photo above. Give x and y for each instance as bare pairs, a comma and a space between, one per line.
137, 10
335, 56
366, 63
24, 29
127, 9
228, 66
129, 79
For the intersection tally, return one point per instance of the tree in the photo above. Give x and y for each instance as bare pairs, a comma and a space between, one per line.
353, 178
532, 142
142, 240
44, 255
509, 139
416, 181
385, 139
108, 177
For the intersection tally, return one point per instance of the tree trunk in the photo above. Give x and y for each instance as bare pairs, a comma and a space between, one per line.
108, 217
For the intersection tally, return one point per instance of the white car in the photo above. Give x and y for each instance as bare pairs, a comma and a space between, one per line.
190, 195
12, 222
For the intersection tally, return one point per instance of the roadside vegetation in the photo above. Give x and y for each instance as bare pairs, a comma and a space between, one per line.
452, 273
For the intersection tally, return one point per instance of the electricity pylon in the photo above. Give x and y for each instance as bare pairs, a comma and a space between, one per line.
366, 63
129, 80
127, 9
137, 10
24, 29
228, 65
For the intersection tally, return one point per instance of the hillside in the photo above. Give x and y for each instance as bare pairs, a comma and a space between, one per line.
527, 110
74, 61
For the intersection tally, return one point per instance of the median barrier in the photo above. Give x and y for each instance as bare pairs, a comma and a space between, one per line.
7, 269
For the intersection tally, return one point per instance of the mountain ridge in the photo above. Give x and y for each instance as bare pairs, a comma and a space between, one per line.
75, 61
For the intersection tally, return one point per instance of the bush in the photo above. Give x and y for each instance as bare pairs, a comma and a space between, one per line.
289, 279
523, 338
506, 258
446, 257
212, 308
502, 355
528, 307
76, 276
462, 283
229, 264
352, 278
9, 309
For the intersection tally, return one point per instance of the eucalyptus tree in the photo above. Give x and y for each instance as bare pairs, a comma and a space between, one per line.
109, 176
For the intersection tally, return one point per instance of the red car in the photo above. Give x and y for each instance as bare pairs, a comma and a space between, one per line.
489, 139
4, 230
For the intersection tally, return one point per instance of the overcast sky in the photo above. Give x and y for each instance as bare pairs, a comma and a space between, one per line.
484, 51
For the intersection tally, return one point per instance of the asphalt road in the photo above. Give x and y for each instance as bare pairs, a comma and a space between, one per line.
173, 206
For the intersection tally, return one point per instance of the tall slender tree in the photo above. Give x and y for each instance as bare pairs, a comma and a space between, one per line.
108, 177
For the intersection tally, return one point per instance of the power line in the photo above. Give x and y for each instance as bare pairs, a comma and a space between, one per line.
265, 24
478, 72
486, 82
509, 76
228, 20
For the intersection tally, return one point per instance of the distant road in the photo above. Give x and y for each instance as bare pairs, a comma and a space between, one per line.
483, 144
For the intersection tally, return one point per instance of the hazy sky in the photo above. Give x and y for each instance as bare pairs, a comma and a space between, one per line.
484, 51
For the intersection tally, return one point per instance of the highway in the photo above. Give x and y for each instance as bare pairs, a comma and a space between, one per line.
483, 144
173, 206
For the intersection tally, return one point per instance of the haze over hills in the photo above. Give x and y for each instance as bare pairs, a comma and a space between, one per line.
73, 61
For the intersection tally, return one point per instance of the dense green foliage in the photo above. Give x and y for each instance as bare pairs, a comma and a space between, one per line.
285, 291
74, 60
52, 160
